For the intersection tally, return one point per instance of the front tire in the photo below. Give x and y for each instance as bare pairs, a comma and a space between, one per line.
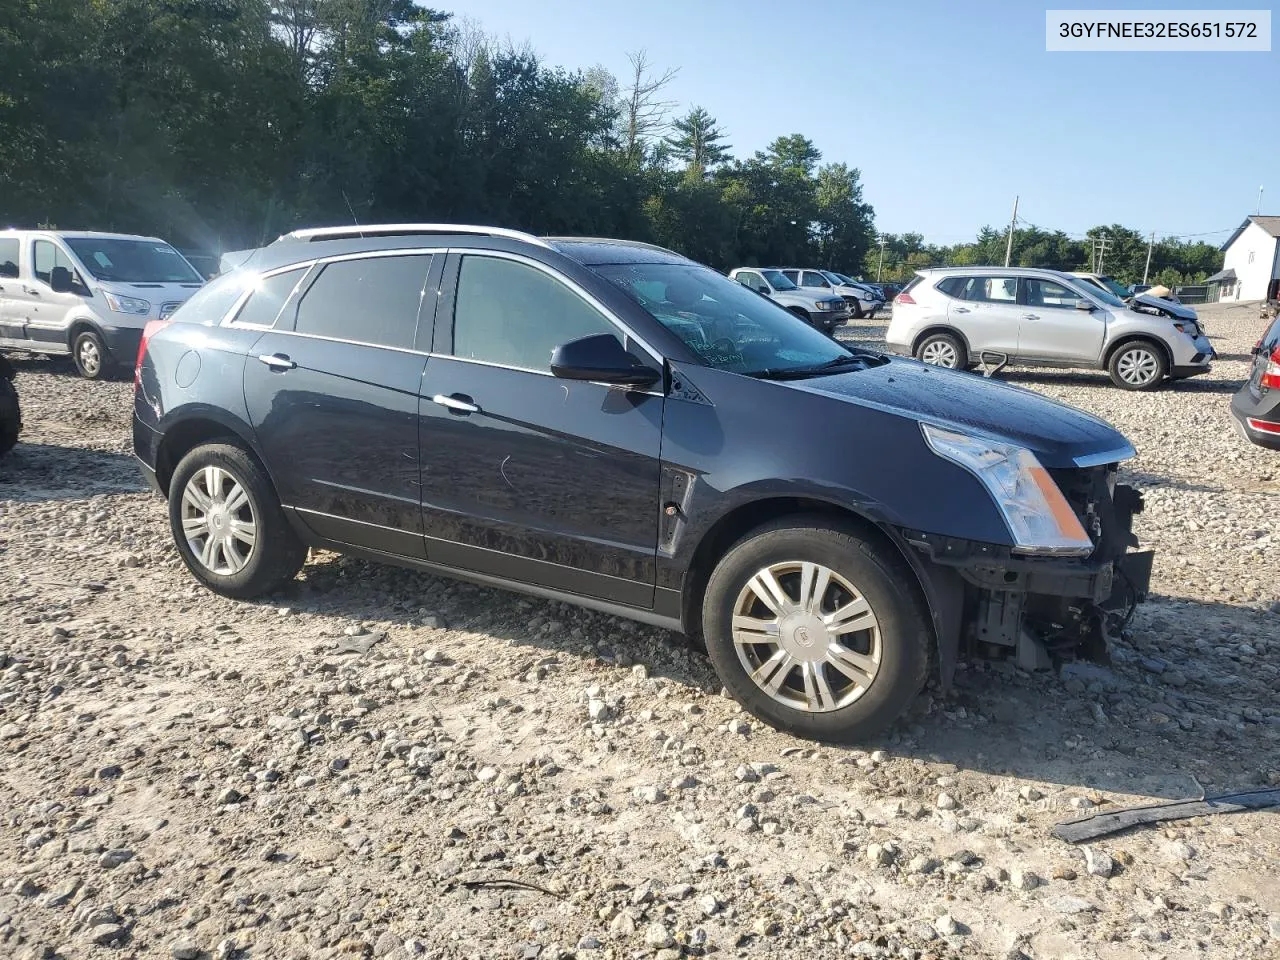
1139, 365
943, 350
89, 354
815, 630
228, 525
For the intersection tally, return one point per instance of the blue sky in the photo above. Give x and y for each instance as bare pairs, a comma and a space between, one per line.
950, 109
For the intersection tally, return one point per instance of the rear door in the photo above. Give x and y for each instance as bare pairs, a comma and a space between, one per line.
526, 476
332, 392
985, 309
1052, 328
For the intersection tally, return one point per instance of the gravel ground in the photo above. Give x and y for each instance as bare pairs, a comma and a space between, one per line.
382, 763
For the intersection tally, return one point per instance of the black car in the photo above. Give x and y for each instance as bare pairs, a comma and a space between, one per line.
10, 412
1256, 406
614, 425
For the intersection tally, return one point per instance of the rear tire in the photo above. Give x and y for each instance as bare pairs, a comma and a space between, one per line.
89, 354
228, 525
840, 664
1138, 365
943, 350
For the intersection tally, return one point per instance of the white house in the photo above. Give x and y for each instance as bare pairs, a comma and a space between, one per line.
1251, 262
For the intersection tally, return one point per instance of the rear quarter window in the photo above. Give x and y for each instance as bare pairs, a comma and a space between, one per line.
210, 303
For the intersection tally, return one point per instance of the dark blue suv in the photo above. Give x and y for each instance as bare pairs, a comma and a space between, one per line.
612, 424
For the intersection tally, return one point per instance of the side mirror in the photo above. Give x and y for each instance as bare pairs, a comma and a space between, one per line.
762, 289
600, 358
1086, 305
60, 280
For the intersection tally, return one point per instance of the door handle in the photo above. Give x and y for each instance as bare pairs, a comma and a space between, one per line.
1030, 316
458, 403
277, 361
30, 292
962, 309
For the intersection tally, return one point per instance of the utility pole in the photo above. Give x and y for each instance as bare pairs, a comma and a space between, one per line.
1008, 247
1147, 269
880, 265
1259, 200
1099, 252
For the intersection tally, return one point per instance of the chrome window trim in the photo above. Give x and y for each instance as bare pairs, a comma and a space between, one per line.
354, 343
544, 373
609, 315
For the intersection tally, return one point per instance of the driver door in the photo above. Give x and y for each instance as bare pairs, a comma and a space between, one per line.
1052, 328
526, 476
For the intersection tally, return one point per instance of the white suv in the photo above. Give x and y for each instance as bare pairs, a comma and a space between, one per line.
88, 295
953, 316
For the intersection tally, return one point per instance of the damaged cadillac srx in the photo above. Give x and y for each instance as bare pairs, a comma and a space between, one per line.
611, 424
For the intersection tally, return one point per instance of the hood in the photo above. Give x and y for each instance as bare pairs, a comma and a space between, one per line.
1179, 310
809, 296
1059, 435
155, 292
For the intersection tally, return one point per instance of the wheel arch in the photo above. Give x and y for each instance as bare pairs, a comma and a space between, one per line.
183, 436
934, 328
78, 325
1129, 338
939, 594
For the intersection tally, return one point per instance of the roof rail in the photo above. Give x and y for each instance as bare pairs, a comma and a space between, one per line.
355, 231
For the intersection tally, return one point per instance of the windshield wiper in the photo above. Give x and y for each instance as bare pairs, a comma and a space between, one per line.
798, 373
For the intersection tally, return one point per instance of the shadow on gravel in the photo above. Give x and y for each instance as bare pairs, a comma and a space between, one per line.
1148, 480
33, 472
1115, 729
62, 367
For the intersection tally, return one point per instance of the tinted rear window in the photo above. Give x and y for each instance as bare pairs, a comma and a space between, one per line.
263, 305
211, 302
372, 300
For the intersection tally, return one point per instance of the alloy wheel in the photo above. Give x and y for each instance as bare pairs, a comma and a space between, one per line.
1138, 366
941, 354
218, 521
89, 356
806, 636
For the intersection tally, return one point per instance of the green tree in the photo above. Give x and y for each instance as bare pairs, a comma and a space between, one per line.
698, 141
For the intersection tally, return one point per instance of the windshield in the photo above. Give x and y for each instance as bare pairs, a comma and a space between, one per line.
777, 280
728, 326
834, 278
133, 261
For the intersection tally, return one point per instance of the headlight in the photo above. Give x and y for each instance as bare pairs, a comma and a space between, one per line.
127, 304
824, 304
1034, 509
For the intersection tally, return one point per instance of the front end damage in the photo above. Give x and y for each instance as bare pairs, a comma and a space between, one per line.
1040, 611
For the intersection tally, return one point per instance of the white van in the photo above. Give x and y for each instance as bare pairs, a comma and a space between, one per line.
87, 295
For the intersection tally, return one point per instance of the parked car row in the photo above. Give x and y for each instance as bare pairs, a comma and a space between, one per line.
959, 317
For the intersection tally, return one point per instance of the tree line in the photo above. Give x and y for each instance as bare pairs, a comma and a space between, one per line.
219, 124
1124, 255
